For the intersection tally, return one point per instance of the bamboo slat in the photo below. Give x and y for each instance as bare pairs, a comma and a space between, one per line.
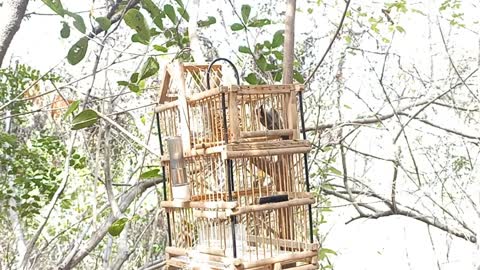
233, 115
220, 215
270, 152
164, 86
284, 243
209, 205
267, 133
305, 267
272, 206
268, 145
190, 66
206, 94
279, 259
166, 106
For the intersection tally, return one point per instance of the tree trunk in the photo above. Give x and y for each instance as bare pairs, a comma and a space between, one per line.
11, 15
195, 46
289, 43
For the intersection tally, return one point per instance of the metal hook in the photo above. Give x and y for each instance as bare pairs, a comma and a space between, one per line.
229, 62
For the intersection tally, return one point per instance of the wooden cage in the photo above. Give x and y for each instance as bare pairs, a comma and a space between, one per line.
248, 203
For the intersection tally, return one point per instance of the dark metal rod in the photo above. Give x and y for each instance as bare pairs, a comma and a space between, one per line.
164, 179
305, 161
229, 174
229, 62
225, 138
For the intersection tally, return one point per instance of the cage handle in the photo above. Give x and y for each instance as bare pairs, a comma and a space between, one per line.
229, 62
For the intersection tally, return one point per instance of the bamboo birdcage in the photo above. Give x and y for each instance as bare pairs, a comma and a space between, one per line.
249, 201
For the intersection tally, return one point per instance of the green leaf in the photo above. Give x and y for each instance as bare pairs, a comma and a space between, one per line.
277, 76
149, 69
278, 39
310, 10
77, 21
334, 171
135, 20
267, 44
246, 13
84, 119
322, 254
117, 227
77, 51
158, 21
122, 83
251, 79
151, 8
180, 3
104, 23
244, 49
55, 6
136, 38
155, 13
160, 48
418, 11
65, 32
262, 63
259, 23
236, 27
154, 32
134, 77
71, 108
298, 77
170, 11
66, 204
150, 174
210, 20
183, 13
278, 55
348, 39
400, 29
134, 88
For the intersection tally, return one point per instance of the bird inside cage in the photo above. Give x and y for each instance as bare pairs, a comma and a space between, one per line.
270, 118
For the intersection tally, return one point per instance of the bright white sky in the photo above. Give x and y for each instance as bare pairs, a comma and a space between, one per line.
388, 243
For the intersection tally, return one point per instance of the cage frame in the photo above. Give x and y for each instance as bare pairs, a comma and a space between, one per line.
231, 150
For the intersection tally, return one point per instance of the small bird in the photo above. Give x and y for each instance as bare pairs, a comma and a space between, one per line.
270, 118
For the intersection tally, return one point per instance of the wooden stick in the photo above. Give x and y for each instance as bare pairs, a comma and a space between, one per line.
164, 86
213, 205
166, 106
182, 104
292, 114
291, 244
305, 267
272, 206
267, 133
282, 258
189, 66
234, 127
272, 152
220, 215
206, 94
224, 195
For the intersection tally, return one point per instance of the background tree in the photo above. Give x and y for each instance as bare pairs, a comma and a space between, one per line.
392, 110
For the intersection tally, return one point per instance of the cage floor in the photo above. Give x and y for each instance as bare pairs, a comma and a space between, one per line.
249, 253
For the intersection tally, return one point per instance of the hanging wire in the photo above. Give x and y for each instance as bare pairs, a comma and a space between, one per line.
305, 161
159, 130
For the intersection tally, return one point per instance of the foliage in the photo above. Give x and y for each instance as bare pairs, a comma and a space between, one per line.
14, 81
267, 55
31, 172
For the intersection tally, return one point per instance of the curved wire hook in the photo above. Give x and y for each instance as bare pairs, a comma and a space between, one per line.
229, 62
